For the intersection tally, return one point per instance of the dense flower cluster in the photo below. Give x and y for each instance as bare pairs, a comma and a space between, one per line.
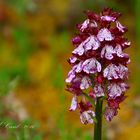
99, 65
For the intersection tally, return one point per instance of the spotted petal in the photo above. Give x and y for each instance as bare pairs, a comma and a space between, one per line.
111, 72
98, 89
123, 71
118, 51
116, 89
91, 66
91, 43
79, 50
110, 113
104, 34
85, 82
86, 117
71, 74
107, 52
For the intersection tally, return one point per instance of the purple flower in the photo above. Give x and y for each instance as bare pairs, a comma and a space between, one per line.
113, 106
71, 74
120, 27
76, 69
105, 34
110, 113
84, 25
107, 52
123, 71
86, 117
87, 24
116, 89
79, 67
115, 72
127, 43
111, 72
118, 51
74, 87
91, 43
73, 59
99, 91
85, 82
115, 102
79, 50
74, 104
99, 65
91, 66
108, 18
76, 40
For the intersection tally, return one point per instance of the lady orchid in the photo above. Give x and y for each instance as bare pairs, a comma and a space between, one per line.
99, 67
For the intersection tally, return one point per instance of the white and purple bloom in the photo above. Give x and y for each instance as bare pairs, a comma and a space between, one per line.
108, 18
99, 91
110, 113
91, 66
85, 83
107, 52
79, 50
91, 43
87, 117
113, 71
99, 65
116, 89
105, 34
120, 27
74, 104
84, 25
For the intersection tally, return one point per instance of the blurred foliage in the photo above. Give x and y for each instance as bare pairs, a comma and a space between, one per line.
35, 42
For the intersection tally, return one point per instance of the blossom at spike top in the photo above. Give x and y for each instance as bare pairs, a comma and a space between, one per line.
99, 65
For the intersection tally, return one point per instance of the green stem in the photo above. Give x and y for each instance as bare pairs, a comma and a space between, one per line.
98, 124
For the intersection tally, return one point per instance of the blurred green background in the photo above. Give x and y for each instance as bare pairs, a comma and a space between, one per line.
35, 43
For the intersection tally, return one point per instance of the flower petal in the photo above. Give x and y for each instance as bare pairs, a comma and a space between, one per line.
123, 71
91, 66
84, 25
93, 24
74, 104
71, 74
111, 72
91, 43
120, 27
85, 82
108, 18
79, 67
110, 113
118, 50
107, 52
86, 117
104, 34
114, 90
79, 50
73, 59
99, 92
